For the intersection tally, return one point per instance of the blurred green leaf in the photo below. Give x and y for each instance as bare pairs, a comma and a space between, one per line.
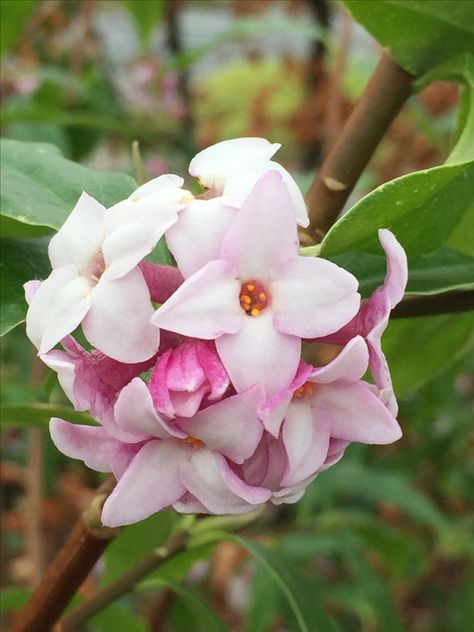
13, 15
22, 260
415, 208
417, 349
38, 414
300, 595
14, 597
263, 601
39, 187
419, 35
146, 14
119, 618
135, 542
204, 618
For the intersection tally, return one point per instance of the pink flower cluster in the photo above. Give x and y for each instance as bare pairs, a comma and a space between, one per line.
205, 403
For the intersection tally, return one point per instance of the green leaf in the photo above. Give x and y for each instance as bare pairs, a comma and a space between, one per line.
119, 618
21, 261
146, 15
417, 349
13, 15
418, 34
135, 542
205, 619
38, 414
39, 187
262, 603
295, 586
415, 208
14, 597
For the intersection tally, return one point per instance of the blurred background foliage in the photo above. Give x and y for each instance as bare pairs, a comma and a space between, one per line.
384, 539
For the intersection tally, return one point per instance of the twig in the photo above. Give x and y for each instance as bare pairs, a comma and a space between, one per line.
447, 303
34, 513
71, 566
384, 95
124, 584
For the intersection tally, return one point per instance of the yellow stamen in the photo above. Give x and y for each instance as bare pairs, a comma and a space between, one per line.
250, 287
196, 443
309, 389
245, 298
255, 312
246, 307
262, 296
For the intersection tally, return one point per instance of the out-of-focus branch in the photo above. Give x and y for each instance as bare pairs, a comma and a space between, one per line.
384, 95
71, 566
124, 584
446, 303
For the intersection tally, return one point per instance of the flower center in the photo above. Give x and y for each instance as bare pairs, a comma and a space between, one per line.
306, 389
253, 298
196, 443
97, 268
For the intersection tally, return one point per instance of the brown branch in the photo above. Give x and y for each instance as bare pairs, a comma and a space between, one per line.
446, 303
124, 584
71, 566
384, 95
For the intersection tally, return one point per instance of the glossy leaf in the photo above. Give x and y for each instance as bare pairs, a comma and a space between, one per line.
22, 260
39, 187
415, 208
417, 349
419, 35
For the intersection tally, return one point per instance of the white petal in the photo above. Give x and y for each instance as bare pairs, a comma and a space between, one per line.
197, 236
57, 307
259, 354
79, 239
118, 323
350, 364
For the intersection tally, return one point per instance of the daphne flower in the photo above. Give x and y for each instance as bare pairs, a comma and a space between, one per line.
96, 280
260, 298
323, 410
186, 463
229, 171
372, 319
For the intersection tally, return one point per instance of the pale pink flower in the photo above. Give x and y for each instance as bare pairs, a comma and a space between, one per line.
260, 298
187, 463
228, 170
323, 410
185, 377
372, 319
96, 280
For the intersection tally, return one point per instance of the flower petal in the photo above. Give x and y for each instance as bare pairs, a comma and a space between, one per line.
205, 306
355, 413
149, 484
162, 280
135, 413
351, 364
118, 323
197, 236
274, 409
259, 354
306, 439
134, 226
397, 267
65, 367
214, 165
312, 297
264, 231
57, 307
204, 476
90, 444
231, 426
79, 239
